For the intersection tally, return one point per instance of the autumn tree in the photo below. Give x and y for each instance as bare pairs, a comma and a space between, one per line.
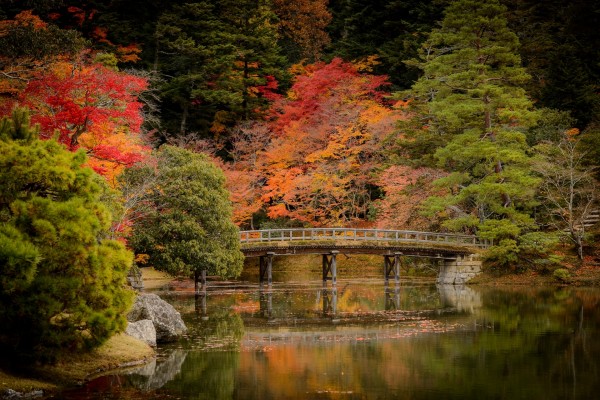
471, 102
319, 166
93, 107
404, 189
62, 284
29, 45
303, 24
185, 223
243, 170
569, 190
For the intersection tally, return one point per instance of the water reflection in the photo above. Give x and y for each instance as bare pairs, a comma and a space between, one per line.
157, 373
266, 303
368, 341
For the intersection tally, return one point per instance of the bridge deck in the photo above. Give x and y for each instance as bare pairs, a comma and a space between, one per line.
365, 241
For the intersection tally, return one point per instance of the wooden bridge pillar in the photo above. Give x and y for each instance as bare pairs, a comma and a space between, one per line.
200, 282
200, 305
266, 268
391, 263
266, 303
330, 267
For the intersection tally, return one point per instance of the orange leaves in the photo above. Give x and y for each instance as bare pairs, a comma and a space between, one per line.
405, 188
23, 19
304, 22
129, 53
316, 162
571, 134
318, 167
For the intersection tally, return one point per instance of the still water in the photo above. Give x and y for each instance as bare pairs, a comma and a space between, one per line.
364, 340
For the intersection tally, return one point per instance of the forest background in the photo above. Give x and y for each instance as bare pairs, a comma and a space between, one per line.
479, 117
332, 113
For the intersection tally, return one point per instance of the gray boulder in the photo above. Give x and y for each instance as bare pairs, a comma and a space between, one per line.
167, 321
143, 330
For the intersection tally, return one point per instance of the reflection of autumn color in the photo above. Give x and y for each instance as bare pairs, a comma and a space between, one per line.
285, 371
248, 306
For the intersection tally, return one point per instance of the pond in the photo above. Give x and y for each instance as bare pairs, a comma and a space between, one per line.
366, 340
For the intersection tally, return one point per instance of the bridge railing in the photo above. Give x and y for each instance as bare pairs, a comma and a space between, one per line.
302, 234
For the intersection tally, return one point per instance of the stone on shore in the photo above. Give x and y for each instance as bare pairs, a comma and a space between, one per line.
167, 321
143, 330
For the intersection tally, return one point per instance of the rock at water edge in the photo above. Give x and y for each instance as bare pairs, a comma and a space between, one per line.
167, 321
143, 330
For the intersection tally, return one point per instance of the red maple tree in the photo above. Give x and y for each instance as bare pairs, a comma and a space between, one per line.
93, 107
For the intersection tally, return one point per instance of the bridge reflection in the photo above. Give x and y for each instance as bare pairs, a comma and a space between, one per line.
326, 300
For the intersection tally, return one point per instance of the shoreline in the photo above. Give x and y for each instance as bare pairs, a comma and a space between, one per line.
119, 352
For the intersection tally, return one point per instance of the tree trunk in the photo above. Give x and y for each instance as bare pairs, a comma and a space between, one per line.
184, 116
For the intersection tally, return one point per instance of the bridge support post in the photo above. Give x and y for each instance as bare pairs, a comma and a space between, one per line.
266, 268
200, 281
391, 263
266, 303
460, 270
330, 267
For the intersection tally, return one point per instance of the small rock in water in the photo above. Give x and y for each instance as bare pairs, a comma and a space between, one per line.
13, 394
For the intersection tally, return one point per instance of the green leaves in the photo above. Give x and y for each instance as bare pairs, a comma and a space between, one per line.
184, 218
57, 274
470, 99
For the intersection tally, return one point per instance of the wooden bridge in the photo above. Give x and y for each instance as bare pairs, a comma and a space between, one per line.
456, 250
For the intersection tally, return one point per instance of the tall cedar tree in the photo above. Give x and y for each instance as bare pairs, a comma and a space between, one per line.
220, 61
62, 286
182, 219
473, 106
559, 49
392, 30
195, 58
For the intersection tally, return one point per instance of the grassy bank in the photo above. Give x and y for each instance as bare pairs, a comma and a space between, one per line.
118, 352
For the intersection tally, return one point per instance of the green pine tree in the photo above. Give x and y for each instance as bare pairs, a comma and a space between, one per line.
475, 112
62, 287
213, 55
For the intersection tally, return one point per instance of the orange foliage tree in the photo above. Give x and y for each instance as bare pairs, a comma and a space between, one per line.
304, 22
317, 160
28, 45
404, 188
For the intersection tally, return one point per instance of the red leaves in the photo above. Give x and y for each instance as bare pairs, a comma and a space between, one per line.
90, 106
76, 101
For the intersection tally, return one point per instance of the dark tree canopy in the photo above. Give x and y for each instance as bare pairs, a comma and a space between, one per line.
184, 215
